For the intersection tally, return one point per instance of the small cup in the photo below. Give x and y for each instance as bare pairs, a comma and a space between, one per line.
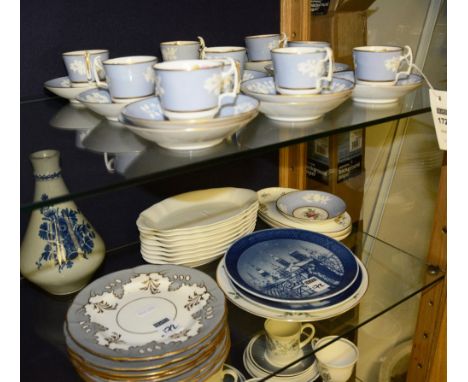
335, 361
259, 46
302, 70
219, 376
381, 64
237, 53
181, 50
308, 44
283, 340
80, 65
192, 89
127, 77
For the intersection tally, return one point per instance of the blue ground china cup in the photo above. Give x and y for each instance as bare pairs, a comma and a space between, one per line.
181, 50
382, 63
302, 70
259, 46
238, 53
192, 89
80, 64
127, 77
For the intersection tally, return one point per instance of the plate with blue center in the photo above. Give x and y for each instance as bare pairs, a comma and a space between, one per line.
291, 265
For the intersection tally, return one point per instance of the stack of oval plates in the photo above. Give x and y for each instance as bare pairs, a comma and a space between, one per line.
151, 323
314, 211
259, 366
196, 227
292, 274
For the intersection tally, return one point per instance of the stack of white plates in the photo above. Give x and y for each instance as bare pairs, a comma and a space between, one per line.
292, 274
151, 323
196, 227
258, 365
314, 211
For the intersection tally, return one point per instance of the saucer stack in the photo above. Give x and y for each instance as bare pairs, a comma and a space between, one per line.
274, 211
292, 275
152, 323
196, 227
259, 366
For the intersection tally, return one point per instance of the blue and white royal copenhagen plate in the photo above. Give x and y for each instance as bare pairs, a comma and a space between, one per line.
311, 205
291, 265
304, 307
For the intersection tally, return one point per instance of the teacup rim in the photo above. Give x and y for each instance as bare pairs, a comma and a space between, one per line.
169, 65
180, 42
374, 48
263, 35
352, 345
227, 47
83, 51
309, 41
141, 60
302, 50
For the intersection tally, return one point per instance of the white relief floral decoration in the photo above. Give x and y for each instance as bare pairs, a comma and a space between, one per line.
65, 83
152, 110
311, 68
392, 64
149, 75
97, 97
247, 76
159, 90
313, 197
78, 66
214, 84
273, 44
169, 53
267, 87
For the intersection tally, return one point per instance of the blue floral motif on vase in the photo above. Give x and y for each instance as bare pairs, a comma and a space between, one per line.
62, 232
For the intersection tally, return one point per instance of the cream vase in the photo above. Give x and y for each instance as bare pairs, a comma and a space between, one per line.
60, 250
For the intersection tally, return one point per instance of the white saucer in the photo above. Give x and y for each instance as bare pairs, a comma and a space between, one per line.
384, 94
100, 101
305, 107
62, 87
190, 115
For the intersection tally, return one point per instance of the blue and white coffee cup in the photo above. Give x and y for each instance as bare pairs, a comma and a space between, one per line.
127, 77
80, 65
382, 64
302, 70
193, 89
181, 50
237, 53
259, 46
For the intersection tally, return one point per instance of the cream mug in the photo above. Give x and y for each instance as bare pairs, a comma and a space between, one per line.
283, 340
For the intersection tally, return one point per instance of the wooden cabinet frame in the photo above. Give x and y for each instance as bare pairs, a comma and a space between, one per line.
428, 358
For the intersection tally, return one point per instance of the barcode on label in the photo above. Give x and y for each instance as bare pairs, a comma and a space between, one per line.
321, 147
355, 140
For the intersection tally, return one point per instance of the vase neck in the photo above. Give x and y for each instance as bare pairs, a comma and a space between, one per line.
47, 174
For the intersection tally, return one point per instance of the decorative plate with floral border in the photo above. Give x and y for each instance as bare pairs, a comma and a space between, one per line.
147, 312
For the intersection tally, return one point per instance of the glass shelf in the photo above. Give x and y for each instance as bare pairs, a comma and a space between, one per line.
83, 139
386, 265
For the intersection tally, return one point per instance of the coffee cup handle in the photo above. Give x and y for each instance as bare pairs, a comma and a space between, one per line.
283, 42
232, 71
98, 66
109, 162
328, 58
202, 47
88, 66
408, 57
310, 336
